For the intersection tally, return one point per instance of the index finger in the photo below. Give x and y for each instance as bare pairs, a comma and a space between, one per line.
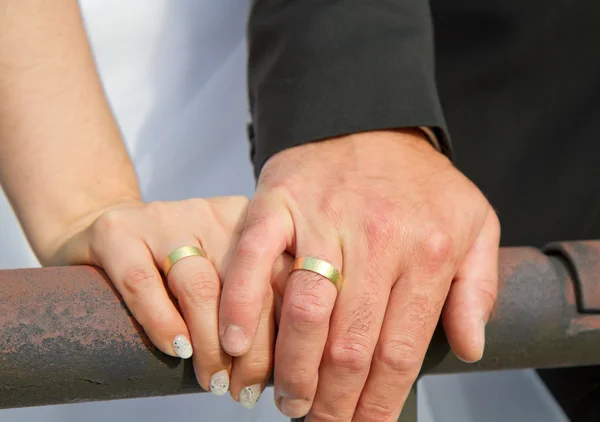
141, 285
266, 236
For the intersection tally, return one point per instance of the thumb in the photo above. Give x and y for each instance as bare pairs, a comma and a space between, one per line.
473, 293
267, 233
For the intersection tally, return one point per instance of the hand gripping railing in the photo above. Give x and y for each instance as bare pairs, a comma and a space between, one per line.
66, 336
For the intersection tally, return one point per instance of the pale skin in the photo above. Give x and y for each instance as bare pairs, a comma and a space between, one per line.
414, 238
69, 178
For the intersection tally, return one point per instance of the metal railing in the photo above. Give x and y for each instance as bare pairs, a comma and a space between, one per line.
66, 335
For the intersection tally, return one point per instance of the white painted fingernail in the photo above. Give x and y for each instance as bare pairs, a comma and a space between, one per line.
219, 383
182, 347
249, 396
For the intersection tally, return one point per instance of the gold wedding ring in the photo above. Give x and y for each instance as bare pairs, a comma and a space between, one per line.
180, 253
320, 267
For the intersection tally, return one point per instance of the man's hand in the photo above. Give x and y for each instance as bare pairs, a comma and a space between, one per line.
414, 239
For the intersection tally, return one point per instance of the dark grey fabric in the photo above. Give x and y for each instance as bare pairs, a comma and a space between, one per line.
519, 81
319, 69
520, 86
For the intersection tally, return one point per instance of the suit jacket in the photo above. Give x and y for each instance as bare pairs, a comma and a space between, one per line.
514, 83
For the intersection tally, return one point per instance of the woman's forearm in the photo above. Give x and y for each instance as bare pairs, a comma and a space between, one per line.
61, 154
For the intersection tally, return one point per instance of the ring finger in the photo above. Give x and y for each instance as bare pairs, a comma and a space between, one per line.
308, 301
195, 284
355, 326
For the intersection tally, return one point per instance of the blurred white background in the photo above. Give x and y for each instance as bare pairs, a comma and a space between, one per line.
174, 73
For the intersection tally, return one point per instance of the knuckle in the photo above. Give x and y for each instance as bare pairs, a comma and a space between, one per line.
242, 298
297, 382
380, 228
199, 205
401, 354
259, 367
157, 206
204, 210
110, 223
156, 322
351, 355
244, 295
200, 287
139, 279
308, 313
157, 210
380, 410
208, 358
307, 305
437, 245
239, 200
323, 415
250, 245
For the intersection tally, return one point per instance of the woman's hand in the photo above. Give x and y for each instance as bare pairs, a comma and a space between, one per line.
131, 242
69, 179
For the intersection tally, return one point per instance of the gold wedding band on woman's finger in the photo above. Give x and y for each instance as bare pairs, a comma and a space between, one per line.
320, 267
180, 253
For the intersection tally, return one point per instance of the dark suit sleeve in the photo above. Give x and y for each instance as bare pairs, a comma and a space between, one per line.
324, 68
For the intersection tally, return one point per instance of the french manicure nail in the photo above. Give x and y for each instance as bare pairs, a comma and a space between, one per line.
234, 339
182, 347
219, 383
249, 396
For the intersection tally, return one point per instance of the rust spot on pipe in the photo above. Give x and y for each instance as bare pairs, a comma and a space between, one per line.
584, 324
78, 303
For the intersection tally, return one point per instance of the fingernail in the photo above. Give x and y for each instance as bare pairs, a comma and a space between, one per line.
479, 340
219, 383
291, 407
182, 347
249, 396
234, 339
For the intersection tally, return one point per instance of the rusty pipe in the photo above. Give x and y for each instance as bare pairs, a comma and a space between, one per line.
542, 318
66, 336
